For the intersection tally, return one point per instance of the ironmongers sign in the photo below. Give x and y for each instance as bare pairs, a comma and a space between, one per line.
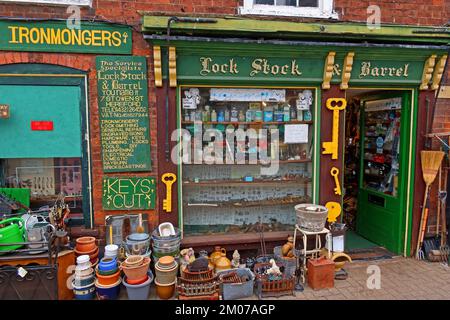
123, 108
55, 36
129, 193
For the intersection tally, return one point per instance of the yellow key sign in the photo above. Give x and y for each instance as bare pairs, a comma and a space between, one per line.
168, 179
335, 105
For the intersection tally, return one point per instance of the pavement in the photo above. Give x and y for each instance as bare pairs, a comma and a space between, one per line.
400, 279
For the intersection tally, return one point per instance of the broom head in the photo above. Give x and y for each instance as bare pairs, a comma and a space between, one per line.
431, 161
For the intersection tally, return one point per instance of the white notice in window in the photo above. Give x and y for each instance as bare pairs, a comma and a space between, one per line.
296, 133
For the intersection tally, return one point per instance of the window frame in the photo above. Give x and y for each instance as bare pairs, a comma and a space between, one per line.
324, 10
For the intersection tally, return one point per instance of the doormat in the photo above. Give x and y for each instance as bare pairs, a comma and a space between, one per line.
370, 254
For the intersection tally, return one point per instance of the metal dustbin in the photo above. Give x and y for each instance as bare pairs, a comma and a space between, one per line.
337, 231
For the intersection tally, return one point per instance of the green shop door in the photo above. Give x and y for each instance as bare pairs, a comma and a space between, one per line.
383, 168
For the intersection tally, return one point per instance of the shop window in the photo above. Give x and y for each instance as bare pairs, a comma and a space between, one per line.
246, 158
46, 178
303, 8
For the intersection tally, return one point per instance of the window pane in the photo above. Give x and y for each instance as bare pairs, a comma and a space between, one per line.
308, 3
292, 3
270, 2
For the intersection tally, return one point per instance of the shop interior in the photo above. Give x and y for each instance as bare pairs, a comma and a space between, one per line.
372, 123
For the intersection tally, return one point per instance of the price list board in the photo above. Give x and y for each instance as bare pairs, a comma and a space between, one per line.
123, 111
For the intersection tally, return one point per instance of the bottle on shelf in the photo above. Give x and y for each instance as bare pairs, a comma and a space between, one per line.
220, 116
258, 115
234, 114
241, 116
293, 113
286, 113
249, 115
206, 114
227, 115
299, 115
213, 115
307, 116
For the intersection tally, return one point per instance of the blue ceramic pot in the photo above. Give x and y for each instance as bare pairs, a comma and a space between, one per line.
107, 264
84, 293
84, 281
108, 292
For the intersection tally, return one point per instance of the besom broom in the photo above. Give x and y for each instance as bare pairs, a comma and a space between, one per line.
431, 161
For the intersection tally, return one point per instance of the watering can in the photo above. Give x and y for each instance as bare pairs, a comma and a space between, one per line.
12, 232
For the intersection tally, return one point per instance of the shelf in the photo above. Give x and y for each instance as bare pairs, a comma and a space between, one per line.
245, 183
248, 123
260, 203
251, 164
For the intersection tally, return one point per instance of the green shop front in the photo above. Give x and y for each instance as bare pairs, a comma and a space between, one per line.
330, 113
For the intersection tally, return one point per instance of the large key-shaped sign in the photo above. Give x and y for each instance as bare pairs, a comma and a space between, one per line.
335, 105
168, 179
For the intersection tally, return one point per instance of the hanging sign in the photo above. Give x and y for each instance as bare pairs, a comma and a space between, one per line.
123, 109
56, 36
129, 193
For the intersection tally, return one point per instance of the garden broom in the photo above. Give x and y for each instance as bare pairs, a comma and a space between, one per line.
431, 161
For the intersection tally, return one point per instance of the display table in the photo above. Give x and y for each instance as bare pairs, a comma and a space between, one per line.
313, 252
65, 262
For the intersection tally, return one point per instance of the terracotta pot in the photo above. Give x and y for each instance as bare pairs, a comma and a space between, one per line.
134, 273
89, 253
217, 253
108, 280
137, 281
166, 276
134, 261
85, 244
165, 291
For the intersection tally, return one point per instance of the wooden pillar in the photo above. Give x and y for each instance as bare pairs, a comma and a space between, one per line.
327, 184
419, 184
164, 165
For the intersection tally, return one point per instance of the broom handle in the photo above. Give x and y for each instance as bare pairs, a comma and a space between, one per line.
444, 213
439, 202
421, 220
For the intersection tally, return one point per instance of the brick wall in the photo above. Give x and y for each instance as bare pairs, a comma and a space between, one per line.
414, 12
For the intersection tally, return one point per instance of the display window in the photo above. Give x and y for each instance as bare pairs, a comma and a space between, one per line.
246, 157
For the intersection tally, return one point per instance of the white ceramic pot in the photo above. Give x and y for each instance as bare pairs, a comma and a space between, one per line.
83, 259
111, 250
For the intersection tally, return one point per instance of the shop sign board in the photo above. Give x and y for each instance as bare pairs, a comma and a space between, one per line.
129, 193
298, 68
123, 111
56, 36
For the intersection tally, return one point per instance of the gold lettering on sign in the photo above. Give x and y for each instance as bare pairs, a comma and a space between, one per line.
263, 66
369, 70
208, 66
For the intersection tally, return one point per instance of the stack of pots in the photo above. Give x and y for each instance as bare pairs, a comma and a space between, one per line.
166, 275
84, 279
166, 246
137, 277
87, 246
108, 279
138, 244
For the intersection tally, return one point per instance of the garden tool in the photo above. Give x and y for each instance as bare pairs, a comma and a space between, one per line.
444, 248
431, 161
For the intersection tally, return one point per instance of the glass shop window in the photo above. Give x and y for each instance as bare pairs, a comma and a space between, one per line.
302, 8
247, 158
46, 178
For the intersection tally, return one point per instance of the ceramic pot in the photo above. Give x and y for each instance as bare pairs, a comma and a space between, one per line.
165, 291
83, 259
166, 276
83, 281
110, 292
137, 281
89, 253
111, 250
138, 272
85, 244
222, 263
134, 261
138, 291
84, 293
107, 264
107, 273
84, 272
108, 280
217, 253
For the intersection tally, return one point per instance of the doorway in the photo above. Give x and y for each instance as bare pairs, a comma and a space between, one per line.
377, 145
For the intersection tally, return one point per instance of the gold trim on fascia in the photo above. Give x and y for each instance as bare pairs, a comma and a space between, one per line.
41, 75
328, 70
172, 67
347, 70
428, 72
157, 62
438, 72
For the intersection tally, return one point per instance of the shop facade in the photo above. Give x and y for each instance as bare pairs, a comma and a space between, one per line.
320, 93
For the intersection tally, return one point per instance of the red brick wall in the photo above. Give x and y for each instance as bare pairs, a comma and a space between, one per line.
432, 12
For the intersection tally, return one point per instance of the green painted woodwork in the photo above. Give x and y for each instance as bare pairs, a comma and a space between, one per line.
385, 224
129, 193
241, 26
60, 104
55, 36
123, 108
